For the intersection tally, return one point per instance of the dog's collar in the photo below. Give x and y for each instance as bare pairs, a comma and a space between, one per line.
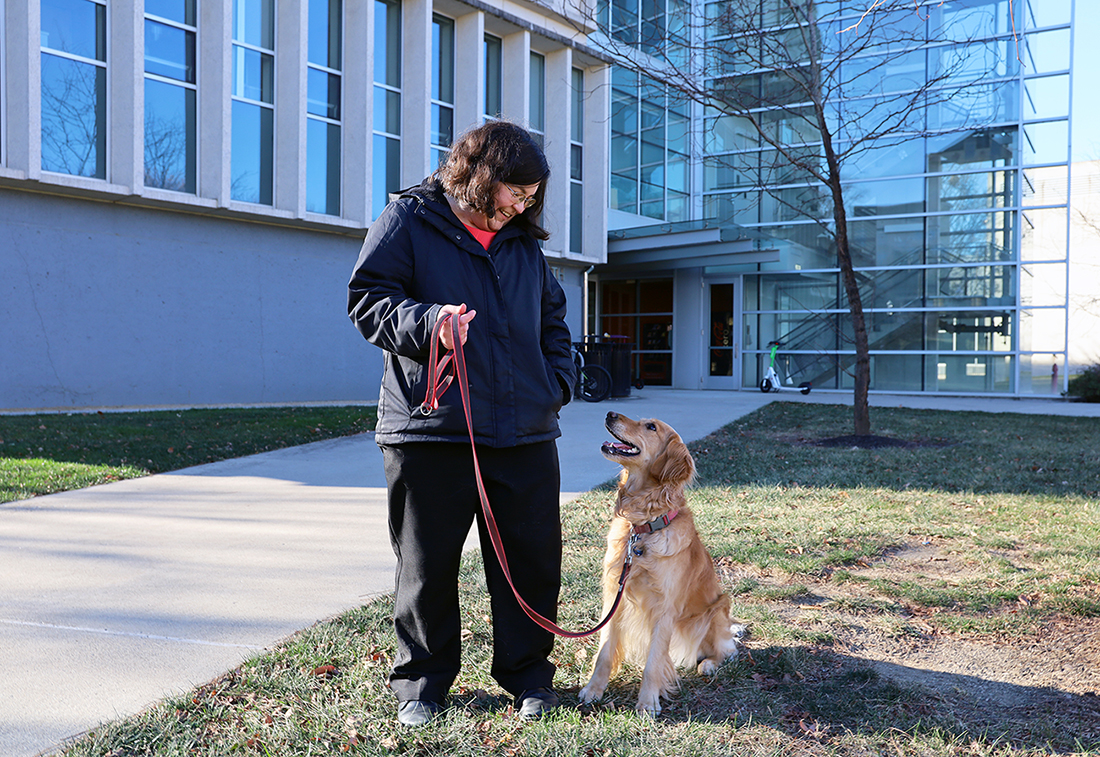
656, 524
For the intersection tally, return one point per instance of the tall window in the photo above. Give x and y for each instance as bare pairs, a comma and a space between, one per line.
253, 101
443, 87
536, 109
170, 92
386, 174
494, 77
74, 87
576, 160
323, 106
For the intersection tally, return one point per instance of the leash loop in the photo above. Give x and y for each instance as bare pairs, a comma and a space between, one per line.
438, 383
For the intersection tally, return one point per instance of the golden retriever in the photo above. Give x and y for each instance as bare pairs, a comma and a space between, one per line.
673, 610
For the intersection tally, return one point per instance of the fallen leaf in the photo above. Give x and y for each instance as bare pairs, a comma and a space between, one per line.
325, 670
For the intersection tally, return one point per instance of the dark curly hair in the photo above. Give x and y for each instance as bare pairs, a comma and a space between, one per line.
496, 151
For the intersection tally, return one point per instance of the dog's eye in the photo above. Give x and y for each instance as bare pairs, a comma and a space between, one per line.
651, 426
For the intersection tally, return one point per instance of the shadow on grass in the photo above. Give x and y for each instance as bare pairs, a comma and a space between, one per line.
817, 695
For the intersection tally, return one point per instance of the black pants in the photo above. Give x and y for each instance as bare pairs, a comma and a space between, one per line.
433, 500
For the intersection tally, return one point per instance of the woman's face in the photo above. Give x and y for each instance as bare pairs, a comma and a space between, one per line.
511, 200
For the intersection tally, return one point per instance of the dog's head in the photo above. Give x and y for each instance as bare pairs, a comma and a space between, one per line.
650, 451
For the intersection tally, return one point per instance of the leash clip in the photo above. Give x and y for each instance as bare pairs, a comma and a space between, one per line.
632, 550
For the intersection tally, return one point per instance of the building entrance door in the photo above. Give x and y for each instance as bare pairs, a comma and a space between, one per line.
723, 324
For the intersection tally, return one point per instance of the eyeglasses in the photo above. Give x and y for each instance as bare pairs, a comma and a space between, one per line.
527, 200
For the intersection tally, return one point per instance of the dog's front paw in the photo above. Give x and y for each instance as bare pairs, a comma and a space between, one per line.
590, 693
707, 667
649, 705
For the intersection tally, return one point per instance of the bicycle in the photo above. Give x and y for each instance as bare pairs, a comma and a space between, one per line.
593, 381
771, 382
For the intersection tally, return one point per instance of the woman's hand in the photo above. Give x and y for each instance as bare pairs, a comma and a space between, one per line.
464, 318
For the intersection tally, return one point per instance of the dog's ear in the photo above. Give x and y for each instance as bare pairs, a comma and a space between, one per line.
674, 465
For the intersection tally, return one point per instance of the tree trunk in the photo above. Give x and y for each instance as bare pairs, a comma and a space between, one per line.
861, 411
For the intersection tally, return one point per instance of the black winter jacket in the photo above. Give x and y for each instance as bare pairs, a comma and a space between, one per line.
418, 257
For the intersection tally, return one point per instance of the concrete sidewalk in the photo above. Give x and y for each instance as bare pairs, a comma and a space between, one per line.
118, 595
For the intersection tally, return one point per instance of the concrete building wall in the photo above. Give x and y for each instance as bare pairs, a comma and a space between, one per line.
106, 305
119, 293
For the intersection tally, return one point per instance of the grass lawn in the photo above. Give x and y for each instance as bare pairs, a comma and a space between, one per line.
982, 538
42, 454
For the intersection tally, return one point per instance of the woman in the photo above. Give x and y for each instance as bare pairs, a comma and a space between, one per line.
465, 243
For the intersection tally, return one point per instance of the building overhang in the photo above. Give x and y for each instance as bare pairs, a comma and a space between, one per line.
693, 244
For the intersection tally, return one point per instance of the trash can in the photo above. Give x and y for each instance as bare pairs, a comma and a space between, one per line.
613, 353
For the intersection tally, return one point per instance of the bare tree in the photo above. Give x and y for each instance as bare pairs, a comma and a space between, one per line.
73, 117
166, 153
812, 89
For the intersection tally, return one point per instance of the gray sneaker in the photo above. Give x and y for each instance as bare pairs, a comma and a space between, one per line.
417, 712
534, 703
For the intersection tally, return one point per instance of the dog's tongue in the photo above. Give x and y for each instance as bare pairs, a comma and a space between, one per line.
619, 446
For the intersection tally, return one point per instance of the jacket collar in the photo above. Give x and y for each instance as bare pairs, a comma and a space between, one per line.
433, 202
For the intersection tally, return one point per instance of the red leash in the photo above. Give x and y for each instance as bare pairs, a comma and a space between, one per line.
437, 385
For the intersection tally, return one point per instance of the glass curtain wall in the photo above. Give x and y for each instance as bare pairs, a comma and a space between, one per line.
170, 139
956, 222
253, 142
74, 87
650, 149
386, 150
323, 104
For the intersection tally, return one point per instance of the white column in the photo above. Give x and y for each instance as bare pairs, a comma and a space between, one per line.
23, 81
416, 91
469, 71
559, 67
215, 107
516, 64
126, 71
597, 157
357, 113
291, 44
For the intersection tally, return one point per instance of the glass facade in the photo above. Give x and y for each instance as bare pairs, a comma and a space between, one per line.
650, 149
170, 123
74, 87
386, 150
956, 213
253, 116
323, 106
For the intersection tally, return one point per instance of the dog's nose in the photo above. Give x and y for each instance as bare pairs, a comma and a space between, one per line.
612, 415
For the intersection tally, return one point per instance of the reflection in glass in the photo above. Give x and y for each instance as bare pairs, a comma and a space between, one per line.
170, 138
253, 150
386, 146
386, 173
180, 11
74, 117
254, 23
169, 52
326, 33
323, 94
494, 81
253, 74
322, 167
387, 110
78, 27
